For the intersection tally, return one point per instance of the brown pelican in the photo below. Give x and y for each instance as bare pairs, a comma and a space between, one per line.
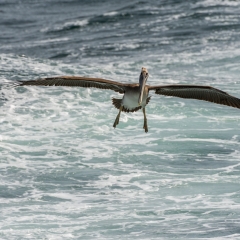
136, 94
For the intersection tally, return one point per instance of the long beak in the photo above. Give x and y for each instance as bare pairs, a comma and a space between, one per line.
142, 82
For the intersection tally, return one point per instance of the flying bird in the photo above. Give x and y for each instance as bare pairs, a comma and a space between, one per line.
136, 95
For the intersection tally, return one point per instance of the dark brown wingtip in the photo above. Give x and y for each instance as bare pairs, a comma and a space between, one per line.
9, 85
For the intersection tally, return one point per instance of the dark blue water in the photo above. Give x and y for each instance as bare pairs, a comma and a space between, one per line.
66, 173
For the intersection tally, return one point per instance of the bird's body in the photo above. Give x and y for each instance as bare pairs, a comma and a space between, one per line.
130, 98
136, 95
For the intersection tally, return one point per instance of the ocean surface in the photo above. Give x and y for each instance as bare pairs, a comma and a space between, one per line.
66, 173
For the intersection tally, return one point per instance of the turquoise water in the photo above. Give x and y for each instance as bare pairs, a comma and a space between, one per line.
66, 173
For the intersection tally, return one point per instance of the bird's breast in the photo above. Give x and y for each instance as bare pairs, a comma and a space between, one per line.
130, 98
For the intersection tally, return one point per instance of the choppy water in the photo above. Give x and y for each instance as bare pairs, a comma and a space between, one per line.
65, 173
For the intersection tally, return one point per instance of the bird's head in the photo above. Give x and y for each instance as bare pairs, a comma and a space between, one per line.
142, 82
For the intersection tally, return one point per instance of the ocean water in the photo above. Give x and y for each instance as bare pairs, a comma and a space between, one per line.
66, 173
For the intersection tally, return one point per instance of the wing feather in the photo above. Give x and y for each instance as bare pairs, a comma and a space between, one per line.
71, 81
205, 93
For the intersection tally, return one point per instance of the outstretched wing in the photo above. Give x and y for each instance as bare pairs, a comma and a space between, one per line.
71, 81
205, 93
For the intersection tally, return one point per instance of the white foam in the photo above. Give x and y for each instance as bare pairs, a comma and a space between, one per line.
113, 13
72, 174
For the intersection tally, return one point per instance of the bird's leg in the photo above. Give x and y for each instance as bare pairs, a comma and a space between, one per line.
145, 120
117, 118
